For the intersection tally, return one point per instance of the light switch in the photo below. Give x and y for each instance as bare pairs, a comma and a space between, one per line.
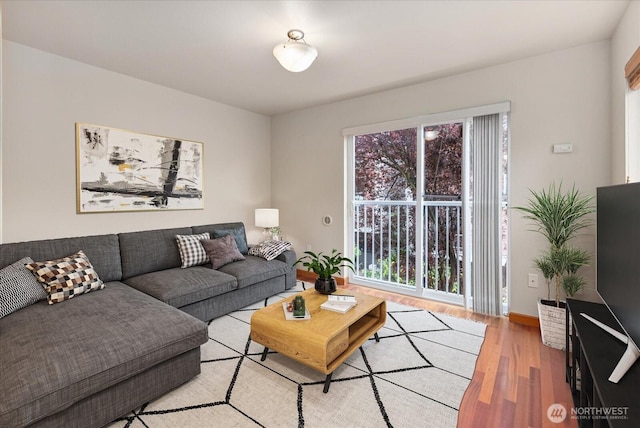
533, 280
562, 148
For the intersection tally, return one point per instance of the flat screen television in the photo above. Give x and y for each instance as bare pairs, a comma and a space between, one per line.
618, 263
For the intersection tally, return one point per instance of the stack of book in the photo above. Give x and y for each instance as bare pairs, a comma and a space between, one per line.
339, 303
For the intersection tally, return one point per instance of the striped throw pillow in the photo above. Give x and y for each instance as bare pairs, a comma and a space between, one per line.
269, 250
18, 287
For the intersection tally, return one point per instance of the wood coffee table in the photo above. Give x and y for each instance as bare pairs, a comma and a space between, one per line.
327, 339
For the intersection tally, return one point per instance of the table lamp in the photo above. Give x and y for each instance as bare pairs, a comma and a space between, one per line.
269, 219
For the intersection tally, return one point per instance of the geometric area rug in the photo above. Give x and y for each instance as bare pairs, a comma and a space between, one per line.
414, 377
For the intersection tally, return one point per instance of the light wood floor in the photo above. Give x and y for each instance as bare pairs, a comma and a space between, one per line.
516, 377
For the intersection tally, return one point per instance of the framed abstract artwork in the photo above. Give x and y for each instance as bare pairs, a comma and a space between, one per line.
120, 170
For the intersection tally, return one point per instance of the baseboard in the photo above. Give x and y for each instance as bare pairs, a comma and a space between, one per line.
524, 319
304, 275
514, 317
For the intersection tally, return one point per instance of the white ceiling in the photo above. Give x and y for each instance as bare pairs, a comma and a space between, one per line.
222, 50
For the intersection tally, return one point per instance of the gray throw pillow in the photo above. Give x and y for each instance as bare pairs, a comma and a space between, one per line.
238, 234
222, 251
18, 287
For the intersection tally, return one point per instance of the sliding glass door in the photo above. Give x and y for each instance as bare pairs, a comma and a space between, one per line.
411, 207
384, 207
407, 209
443, 216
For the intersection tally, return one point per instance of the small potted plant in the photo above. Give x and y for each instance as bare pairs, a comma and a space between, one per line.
325, 266
558, 216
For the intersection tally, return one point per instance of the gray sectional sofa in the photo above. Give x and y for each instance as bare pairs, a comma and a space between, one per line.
85, 361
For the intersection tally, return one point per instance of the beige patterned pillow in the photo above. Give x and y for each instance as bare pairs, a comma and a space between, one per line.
66, 277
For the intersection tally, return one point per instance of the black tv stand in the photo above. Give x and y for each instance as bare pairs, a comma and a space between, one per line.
591, 355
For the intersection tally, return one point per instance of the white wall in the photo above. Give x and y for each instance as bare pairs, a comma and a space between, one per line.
561, 97
556, 98
45, 95
624, 43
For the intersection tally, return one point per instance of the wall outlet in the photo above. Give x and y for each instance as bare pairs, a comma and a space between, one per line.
533, 280
308, 247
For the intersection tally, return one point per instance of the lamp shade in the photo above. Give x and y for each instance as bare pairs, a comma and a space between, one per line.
267, 217
295, 54
430, 134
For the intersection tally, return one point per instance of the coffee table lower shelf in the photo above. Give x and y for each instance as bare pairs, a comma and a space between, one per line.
327, 380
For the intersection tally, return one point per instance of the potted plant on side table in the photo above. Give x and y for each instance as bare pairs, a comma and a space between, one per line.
325, 266
558, 216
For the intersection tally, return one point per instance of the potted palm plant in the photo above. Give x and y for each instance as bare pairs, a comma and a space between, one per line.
559, 216
325, 266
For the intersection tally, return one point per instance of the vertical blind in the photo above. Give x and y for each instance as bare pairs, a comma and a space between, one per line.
486, 210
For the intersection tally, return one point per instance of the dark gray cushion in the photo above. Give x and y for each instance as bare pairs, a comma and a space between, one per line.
221, 229
222, 251
254, 269
223, 304
289, 257
56, 355
101, 408
150, 250
102, 250
183, 286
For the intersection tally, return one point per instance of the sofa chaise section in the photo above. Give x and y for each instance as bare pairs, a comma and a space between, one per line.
88, 344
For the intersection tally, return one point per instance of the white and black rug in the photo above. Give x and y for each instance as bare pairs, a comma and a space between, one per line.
414, 377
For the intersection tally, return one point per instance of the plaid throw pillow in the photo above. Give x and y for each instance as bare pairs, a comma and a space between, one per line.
66, 277
269, 250
18, 288
192, 252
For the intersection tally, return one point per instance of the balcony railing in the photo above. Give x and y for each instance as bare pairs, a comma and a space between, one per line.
385, 244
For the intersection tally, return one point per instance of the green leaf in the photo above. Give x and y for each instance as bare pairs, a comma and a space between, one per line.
325, 265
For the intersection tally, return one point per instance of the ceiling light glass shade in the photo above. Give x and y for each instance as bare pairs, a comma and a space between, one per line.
295, 54
430, 134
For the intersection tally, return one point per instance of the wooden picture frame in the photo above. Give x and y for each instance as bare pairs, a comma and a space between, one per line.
119, 170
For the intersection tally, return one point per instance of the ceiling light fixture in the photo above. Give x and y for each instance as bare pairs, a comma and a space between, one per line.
431, 134
295, 54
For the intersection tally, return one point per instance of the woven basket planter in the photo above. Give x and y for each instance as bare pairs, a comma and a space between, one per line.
552, 325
